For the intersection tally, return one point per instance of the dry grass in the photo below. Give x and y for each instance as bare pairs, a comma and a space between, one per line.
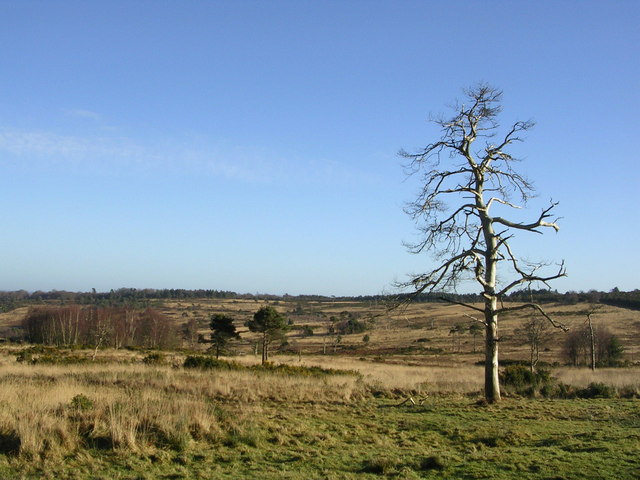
392, 376
419, 332
49, 410
615, 377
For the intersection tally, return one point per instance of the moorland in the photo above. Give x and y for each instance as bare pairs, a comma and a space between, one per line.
352, 390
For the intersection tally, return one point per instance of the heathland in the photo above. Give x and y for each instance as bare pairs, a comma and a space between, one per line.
353, 390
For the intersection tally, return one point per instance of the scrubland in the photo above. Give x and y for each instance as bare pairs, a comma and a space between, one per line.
382, 411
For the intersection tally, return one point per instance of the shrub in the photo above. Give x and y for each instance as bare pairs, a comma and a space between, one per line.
206, 363
300, 370
81, 402
39, 354
24, 356
520, 380
597, 390
154, 358
307, 330
210, 363
432, 463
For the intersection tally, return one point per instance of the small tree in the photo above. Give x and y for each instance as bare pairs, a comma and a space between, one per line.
190, 332
455, 331
271, 324
462, 184
475, 329
222, 331
536, 334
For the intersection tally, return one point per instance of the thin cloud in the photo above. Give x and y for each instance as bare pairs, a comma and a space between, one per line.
120, 154
84, 114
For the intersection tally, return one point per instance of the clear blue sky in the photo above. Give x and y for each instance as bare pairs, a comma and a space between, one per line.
251, 146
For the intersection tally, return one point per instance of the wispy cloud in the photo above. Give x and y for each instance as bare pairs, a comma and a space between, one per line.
41, 149
83, 114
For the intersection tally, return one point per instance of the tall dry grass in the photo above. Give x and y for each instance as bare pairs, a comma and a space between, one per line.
389, 376
615, 377
51, 410
48, 411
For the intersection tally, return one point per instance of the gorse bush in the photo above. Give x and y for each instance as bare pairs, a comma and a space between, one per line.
155, 358
520, 380
210, 363
39, 354
301, 370
597, 390
81, 402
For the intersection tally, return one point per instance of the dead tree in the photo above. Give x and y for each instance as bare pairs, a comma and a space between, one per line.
462, 182
592, 337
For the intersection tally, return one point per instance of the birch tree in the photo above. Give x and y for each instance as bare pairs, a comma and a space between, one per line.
465, 176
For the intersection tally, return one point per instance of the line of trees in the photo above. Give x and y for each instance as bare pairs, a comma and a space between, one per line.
116, 327
10, 300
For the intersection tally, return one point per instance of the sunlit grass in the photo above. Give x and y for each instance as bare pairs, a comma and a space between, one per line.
132, 420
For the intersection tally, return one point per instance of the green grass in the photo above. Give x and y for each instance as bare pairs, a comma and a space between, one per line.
447, 437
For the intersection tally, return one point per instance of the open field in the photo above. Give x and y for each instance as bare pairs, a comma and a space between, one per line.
128, 420
417, 334
120, 418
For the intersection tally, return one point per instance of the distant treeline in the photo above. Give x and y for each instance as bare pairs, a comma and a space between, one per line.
115, 327
144, 297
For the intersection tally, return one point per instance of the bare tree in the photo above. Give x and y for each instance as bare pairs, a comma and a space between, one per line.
460, 186
536, 335
592, 339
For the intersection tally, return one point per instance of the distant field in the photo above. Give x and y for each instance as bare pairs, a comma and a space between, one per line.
418, 334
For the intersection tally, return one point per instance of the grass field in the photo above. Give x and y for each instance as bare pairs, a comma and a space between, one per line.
127, 420
389, 411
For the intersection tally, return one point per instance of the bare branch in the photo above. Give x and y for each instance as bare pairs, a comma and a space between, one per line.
502, 201
528, 277
475, 319
532, 226
537, 307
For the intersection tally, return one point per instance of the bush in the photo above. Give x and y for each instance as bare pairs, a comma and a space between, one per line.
351, 325
300, 370
81, 402
520, 380
432, 463
210, 363
597, 390
39, 354
155, 358
307, 330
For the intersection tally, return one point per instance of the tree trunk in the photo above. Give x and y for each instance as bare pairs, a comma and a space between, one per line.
491, 378
593, 344
265, 349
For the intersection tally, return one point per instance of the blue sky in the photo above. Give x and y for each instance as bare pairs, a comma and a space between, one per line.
251, 146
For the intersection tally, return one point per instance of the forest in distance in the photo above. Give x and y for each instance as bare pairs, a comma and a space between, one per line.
13, 299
